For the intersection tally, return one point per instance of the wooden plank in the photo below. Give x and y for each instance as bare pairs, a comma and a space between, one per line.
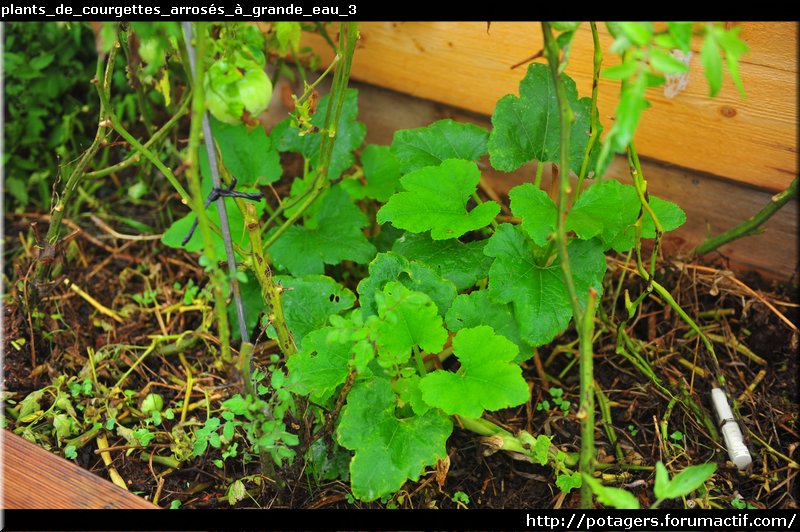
751, 140
710, 203
37, 479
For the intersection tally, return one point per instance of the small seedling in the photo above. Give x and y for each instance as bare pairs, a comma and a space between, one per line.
461, 499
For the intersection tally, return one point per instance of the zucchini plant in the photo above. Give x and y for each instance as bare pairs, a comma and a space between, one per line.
401, 302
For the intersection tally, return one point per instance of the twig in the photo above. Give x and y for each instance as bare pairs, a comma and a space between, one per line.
116, 478
92, 301
750, 226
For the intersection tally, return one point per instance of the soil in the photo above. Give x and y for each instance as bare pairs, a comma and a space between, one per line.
112, 270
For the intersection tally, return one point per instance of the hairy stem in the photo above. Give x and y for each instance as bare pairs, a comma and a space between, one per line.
584, 320
103, 81
594, 126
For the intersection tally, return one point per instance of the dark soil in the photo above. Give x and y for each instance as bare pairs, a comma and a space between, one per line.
60, 337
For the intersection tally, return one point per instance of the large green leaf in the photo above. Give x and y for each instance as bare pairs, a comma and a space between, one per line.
406, 319
537, 292
320, 366
527, 127
335, 236
477, 308
487, 380
248, 155
463, 264
436, 200
381, 175
414, 275
388, 450
609, 210
349, 135
537, 210
309, 301
445, 139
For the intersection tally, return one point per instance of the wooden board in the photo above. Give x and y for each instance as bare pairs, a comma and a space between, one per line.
710, 203
37, 479
464, 65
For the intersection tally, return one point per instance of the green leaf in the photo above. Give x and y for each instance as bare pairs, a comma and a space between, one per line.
734, 48
712, 62
349, 135
414, 275
609, 209
248, 155
540, 299
288, 36
477, 308
320, 366
445, 139
567, 483
622, 71
629, 110
661, 483
669, 215
463, 264
487, 380
615, 497
528, 127
62, 425
435, 199
682, 33
335, 236
537, 210
407, 319
388, 450
687, 481
639, 32
665, 62
408, 391
381, 173
309, 301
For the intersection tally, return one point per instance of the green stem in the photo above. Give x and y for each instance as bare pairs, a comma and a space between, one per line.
103, 80
750, 226
594, 127
537, 179
198, 201
347, 43
584, 320
157, 136
270, 292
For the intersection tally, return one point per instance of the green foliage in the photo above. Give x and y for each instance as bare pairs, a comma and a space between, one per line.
49, 106
381, 173
388, 450
527, 128
614, 497
535, 289
487, 380
435, 200
329, 236
349, 135
477, 308
442, 140
463, 264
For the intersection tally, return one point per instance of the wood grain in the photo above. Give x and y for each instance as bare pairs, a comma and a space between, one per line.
752, 140
37, 479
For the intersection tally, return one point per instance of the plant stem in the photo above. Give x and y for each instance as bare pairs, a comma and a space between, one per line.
594, 127
270, 292
347, 43
157, 136
198, 201
584, 320
750, 226
103, 81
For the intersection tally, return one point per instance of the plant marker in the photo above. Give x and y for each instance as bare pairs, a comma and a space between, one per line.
734, 441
